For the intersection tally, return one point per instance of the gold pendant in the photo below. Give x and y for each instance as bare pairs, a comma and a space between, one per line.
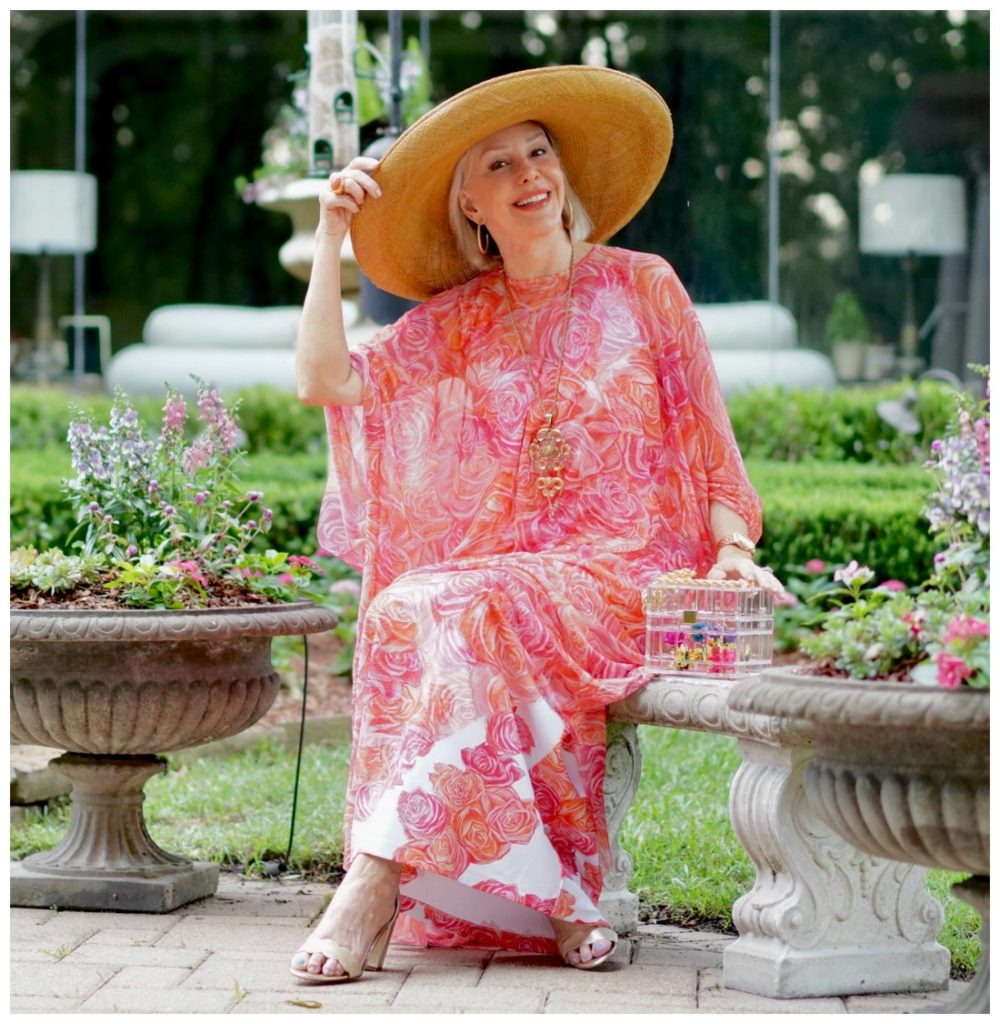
550, 453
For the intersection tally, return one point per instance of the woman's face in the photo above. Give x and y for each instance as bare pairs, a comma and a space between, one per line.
515, 184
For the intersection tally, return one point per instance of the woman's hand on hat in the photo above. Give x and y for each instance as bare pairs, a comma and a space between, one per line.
737, 567
347, 192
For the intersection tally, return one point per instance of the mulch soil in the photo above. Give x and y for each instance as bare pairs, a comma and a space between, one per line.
98, 596
327, 695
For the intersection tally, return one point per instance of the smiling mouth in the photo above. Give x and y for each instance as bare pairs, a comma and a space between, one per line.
534, 200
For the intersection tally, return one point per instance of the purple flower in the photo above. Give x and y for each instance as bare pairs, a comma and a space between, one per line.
131, 551
268, 515
199, 498
94, 507
251, 525
153, 486
169, 510
254, 495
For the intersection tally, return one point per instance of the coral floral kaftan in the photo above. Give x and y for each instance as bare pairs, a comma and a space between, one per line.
492, 635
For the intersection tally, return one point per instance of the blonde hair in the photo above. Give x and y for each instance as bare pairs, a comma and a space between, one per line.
466, 231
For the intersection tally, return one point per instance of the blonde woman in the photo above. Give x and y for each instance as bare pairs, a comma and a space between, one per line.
514, 460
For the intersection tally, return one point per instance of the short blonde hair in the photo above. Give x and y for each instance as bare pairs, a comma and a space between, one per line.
465, 230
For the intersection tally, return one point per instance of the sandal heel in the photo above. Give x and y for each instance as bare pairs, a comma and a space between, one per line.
380, 944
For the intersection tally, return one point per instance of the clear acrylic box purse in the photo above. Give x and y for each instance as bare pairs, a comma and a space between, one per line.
707, 627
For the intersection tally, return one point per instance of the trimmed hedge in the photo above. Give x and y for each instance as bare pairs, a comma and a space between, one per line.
843, 511
833, 511
273, 420
769, 422
842, 424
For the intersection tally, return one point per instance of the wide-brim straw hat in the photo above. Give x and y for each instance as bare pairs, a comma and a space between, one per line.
613, 133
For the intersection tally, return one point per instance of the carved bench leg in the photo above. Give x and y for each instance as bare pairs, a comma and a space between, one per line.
822, 918
619, 906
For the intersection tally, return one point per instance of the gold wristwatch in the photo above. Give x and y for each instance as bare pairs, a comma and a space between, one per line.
737, 540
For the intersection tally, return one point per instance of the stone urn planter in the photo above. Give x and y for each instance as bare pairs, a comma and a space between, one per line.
114, 689
299, 201
900, 771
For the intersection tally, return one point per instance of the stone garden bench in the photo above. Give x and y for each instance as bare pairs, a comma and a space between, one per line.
822, 917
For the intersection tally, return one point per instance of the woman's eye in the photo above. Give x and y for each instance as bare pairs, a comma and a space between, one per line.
541, 151
497, 164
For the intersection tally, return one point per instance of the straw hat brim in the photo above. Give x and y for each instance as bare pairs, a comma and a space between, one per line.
613, 132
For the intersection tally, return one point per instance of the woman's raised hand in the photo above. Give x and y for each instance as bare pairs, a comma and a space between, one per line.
348, 190
741, 567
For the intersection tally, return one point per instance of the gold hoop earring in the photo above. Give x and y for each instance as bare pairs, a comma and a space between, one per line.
483, 239
568, 216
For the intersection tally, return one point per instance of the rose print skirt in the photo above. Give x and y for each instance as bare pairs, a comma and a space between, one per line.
478, 752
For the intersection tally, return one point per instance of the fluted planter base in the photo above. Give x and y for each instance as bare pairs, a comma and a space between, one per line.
116, 689
107, 860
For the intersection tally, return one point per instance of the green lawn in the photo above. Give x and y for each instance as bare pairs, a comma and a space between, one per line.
688, 865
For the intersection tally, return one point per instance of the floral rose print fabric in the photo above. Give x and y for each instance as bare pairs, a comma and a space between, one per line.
493, 634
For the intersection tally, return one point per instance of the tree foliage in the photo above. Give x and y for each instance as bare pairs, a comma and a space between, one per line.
178, 102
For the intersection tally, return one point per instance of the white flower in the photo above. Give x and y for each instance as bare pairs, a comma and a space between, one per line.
853, 573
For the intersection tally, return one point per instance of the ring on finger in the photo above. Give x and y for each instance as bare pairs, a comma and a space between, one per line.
341, 187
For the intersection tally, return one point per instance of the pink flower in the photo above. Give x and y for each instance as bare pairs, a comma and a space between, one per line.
191, 569
174, 414
816, 565
350, 589
964, 627
951, 671
898, 585
913, 620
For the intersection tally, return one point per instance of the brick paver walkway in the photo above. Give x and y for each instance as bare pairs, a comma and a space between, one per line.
230, 954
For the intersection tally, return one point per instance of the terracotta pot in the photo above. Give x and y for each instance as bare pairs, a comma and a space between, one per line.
115, 689
899, 771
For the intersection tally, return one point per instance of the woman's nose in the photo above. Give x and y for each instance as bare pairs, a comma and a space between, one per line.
526, 170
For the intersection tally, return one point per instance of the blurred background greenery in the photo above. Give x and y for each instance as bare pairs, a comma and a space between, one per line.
178, 101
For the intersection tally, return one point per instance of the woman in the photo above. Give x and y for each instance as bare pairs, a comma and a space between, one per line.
515, 459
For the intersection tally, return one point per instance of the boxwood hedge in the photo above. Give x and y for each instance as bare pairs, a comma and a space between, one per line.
833, 511
769, 422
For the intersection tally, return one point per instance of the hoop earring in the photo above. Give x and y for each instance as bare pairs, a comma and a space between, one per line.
568, 216
483, 239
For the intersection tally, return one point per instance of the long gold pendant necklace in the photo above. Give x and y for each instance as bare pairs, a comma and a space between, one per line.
550, 452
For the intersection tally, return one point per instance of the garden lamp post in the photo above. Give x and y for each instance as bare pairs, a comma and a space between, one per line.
52, 213
912, 215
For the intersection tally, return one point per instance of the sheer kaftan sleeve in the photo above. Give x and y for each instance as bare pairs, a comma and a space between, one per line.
692, 395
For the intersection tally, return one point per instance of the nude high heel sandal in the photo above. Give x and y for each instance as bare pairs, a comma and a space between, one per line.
596, 935
373, 959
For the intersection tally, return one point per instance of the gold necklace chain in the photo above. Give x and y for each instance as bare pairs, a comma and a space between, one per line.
550, 452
